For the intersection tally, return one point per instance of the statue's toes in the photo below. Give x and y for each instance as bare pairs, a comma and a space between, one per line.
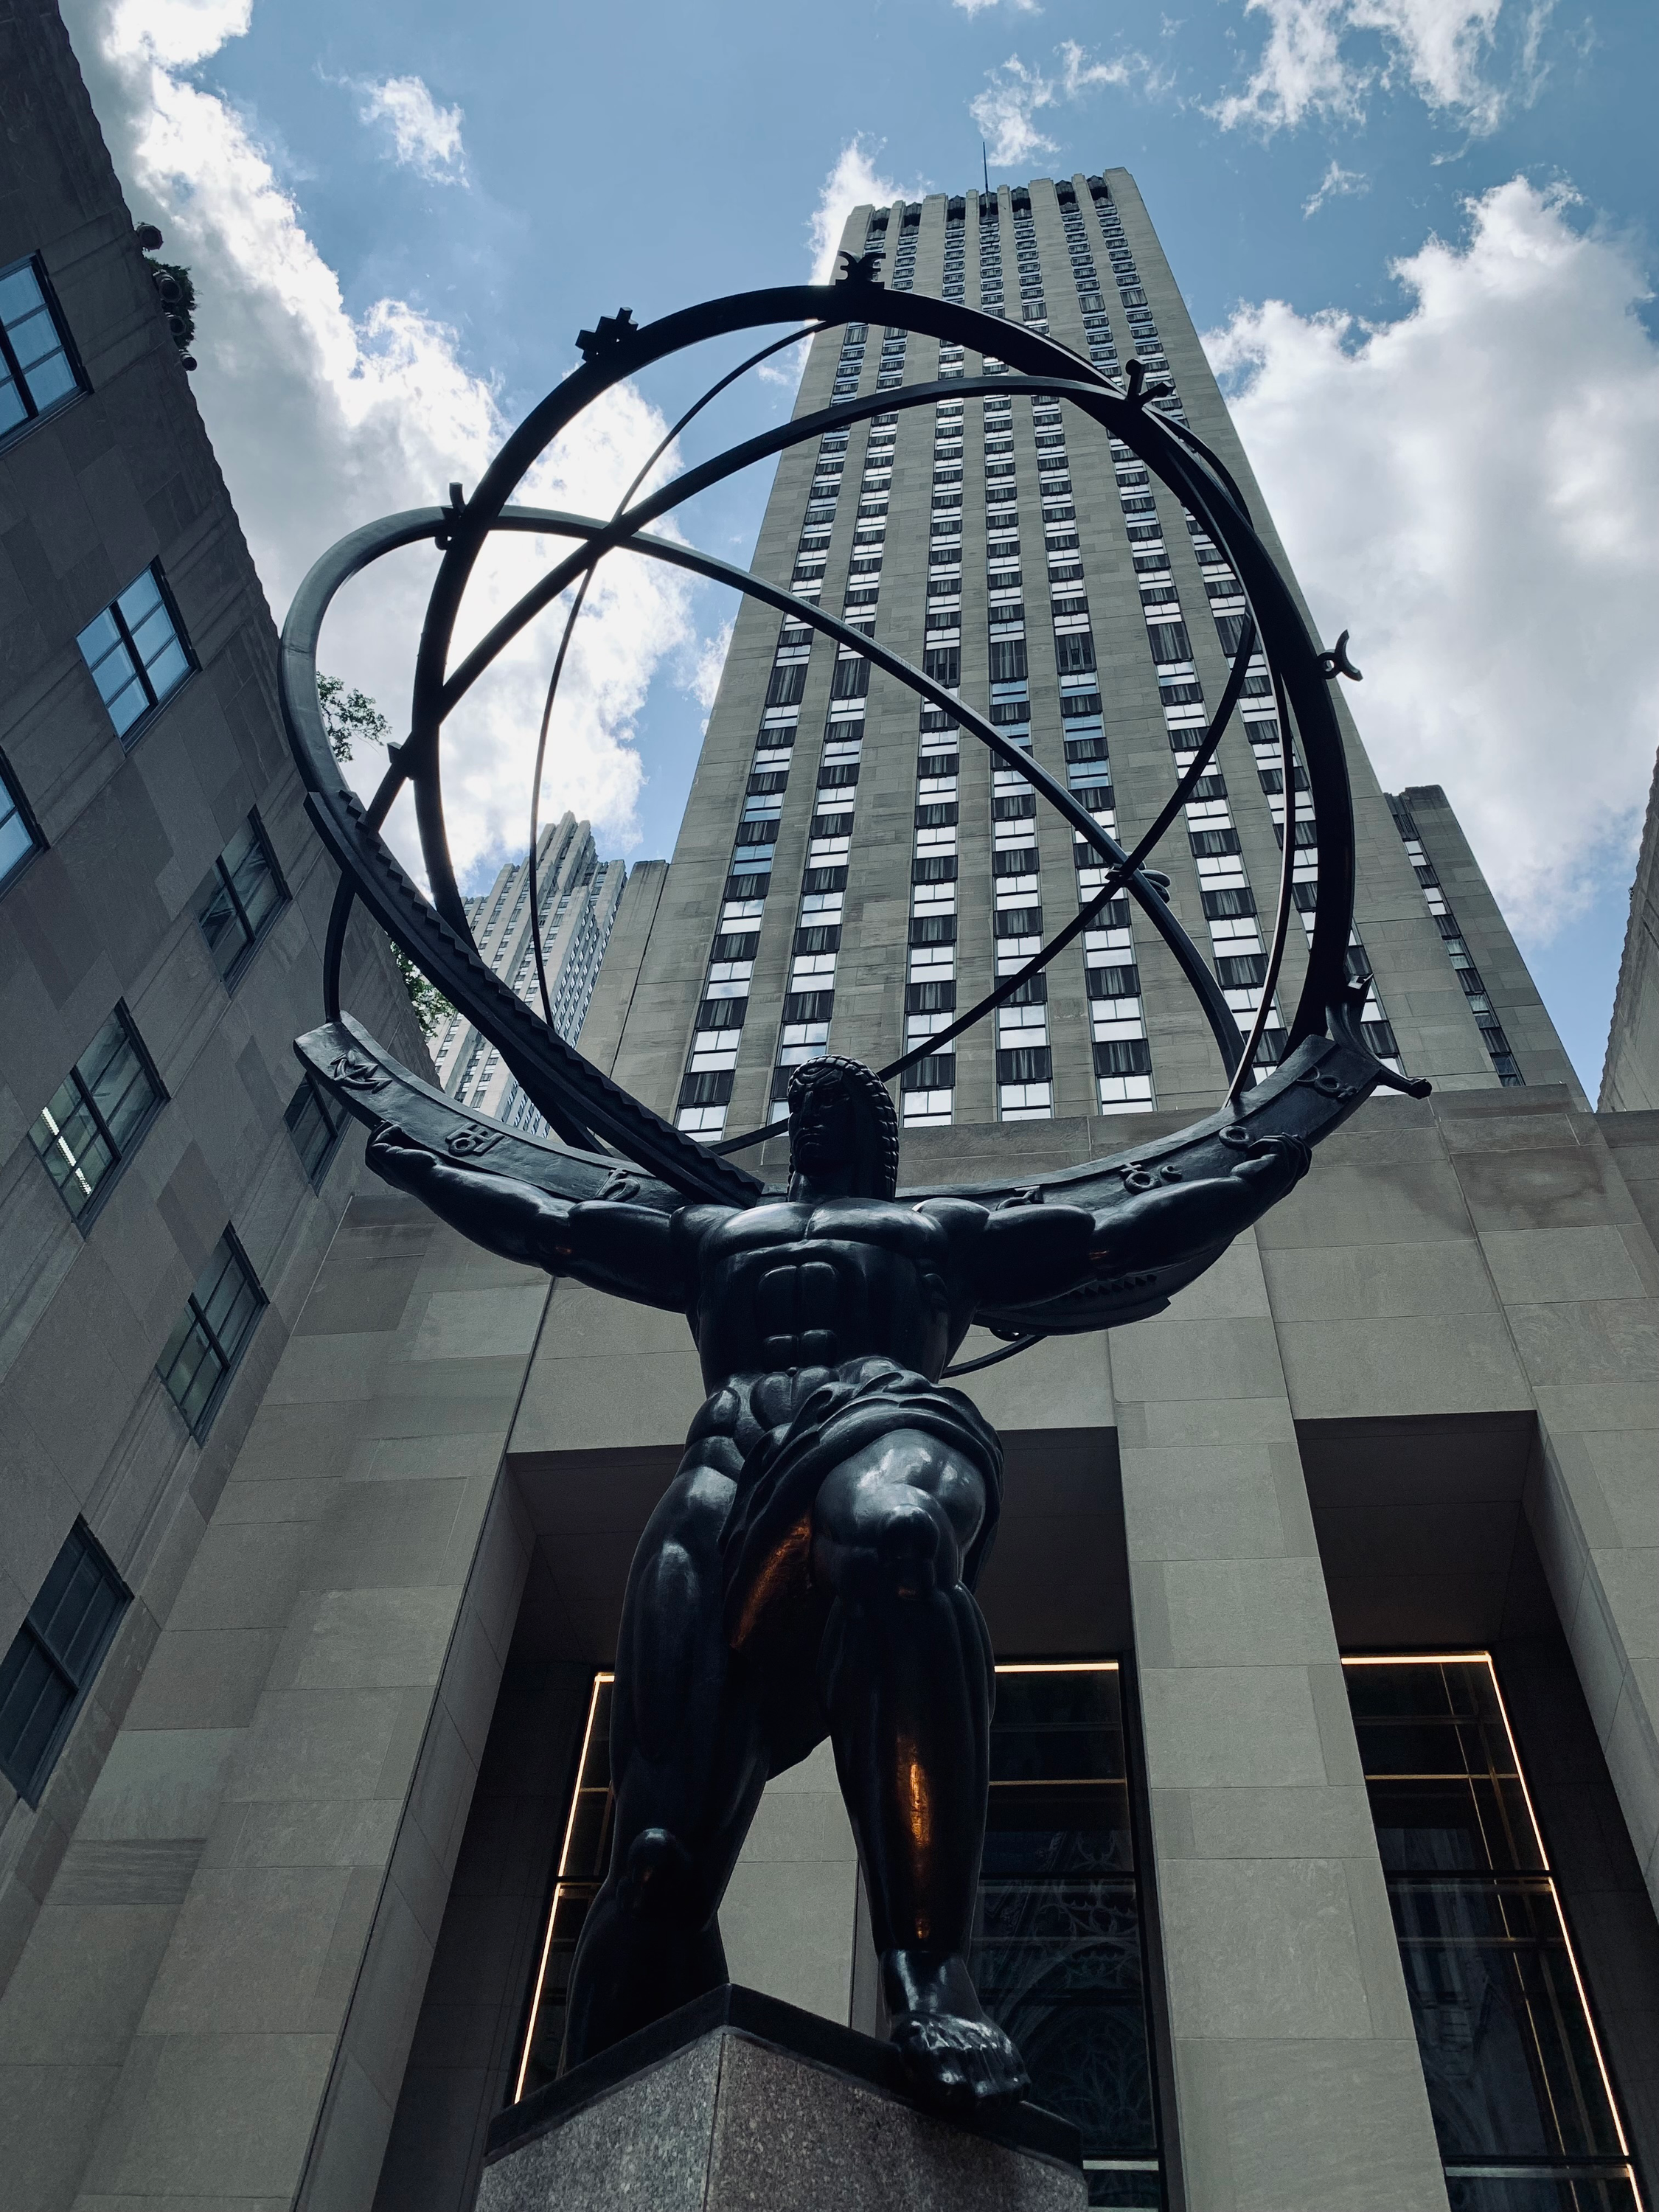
960, 2065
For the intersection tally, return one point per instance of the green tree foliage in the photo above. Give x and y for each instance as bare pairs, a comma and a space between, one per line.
350, 717
432, 1009
178, 291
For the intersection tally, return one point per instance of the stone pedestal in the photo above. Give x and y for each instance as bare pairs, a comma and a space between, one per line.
738, 2103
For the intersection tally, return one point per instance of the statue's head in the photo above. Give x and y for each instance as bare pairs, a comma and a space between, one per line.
841, 1117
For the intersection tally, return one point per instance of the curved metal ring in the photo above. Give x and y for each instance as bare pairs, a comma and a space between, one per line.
1211, 498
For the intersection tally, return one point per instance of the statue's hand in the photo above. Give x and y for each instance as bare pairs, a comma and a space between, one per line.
1277, 1164
400, 1160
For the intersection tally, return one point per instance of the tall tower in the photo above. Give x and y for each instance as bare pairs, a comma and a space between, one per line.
577, 895
837, 839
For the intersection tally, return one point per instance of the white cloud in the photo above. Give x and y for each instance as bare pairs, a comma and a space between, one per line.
1079, 74
425, 137
1014, 96
979, 7
708, 666
1336, 184
1006, 112
1309, 66
853, 182
1478, 506
177, 32
322, 422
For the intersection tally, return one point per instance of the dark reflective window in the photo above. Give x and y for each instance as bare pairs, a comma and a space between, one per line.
240, 899
95, 1120
211, 1333
1522, 2103
1057, 1949
45, 1674
316, 1125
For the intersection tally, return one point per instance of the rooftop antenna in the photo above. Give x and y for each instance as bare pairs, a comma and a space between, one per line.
985, 163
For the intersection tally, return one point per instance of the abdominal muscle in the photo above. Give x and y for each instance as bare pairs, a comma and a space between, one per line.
817, 1303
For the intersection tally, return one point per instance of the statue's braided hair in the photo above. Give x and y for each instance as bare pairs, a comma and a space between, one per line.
876, 1165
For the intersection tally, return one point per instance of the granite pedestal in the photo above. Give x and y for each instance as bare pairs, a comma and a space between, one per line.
738, 2103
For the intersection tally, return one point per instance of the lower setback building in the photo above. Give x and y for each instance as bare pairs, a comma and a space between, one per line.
1325, 1841
577, 895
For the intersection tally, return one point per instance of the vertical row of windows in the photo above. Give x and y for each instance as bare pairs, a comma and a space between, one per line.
904, 259
1229, 901
136, 649
809, 1001
815, 949
1143, 329
1085, 277
1523, 2106
1024, 1060
1033, 307
927, 1089
1498, 1045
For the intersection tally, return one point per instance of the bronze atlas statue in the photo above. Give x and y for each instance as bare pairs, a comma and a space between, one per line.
810, 1572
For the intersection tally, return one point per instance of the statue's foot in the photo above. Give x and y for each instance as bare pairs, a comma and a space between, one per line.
955, 2055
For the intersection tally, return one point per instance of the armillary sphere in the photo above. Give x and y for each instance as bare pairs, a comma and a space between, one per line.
606, 1142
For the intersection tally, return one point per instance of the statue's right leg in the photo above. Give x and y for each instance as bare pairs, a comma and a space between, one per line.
688, 1765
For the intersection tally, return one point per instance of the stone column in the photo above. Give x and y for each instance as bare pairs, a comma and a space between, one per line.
1298, 2087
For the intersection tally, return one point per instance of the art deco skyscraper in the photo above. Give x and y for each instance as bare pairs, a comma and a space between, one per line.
849, 873
578, 895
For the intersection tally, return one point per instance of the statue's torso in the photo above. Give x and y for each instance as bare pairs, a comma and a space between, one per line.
810, 1284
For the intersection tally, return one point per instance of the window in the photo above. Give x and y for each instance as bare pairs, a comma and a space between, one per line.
239, 900
211, 1333
1057, 1952
582, 1862
137, 653
97, 1117
45, 1675
1522, 2106
316, 1125
38, 369
19, 838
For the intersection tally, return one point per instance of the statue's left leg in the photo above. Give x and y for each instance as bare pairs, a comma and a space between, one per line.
907, 1682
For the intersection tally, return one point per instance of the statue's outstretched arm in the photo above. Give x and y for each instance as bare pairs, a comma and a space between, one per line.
627, 1249
1025, 1253
1179, 1220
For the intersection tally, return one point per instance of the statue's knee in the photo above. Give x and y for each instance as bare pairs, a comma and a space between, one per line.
910, 1545
658, 1876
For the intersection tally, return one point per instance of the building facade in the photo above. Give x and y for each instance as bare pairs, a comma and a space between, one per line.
577, 895
168, 1181
1326, 1826
1015, 552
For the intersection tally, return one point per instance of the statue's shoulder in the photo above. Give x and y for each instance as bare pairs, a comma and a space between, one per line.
692, 1226
700, 1225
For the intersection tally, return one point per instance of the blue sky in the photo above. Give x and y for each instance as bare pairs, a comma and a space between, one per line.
1419, 228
